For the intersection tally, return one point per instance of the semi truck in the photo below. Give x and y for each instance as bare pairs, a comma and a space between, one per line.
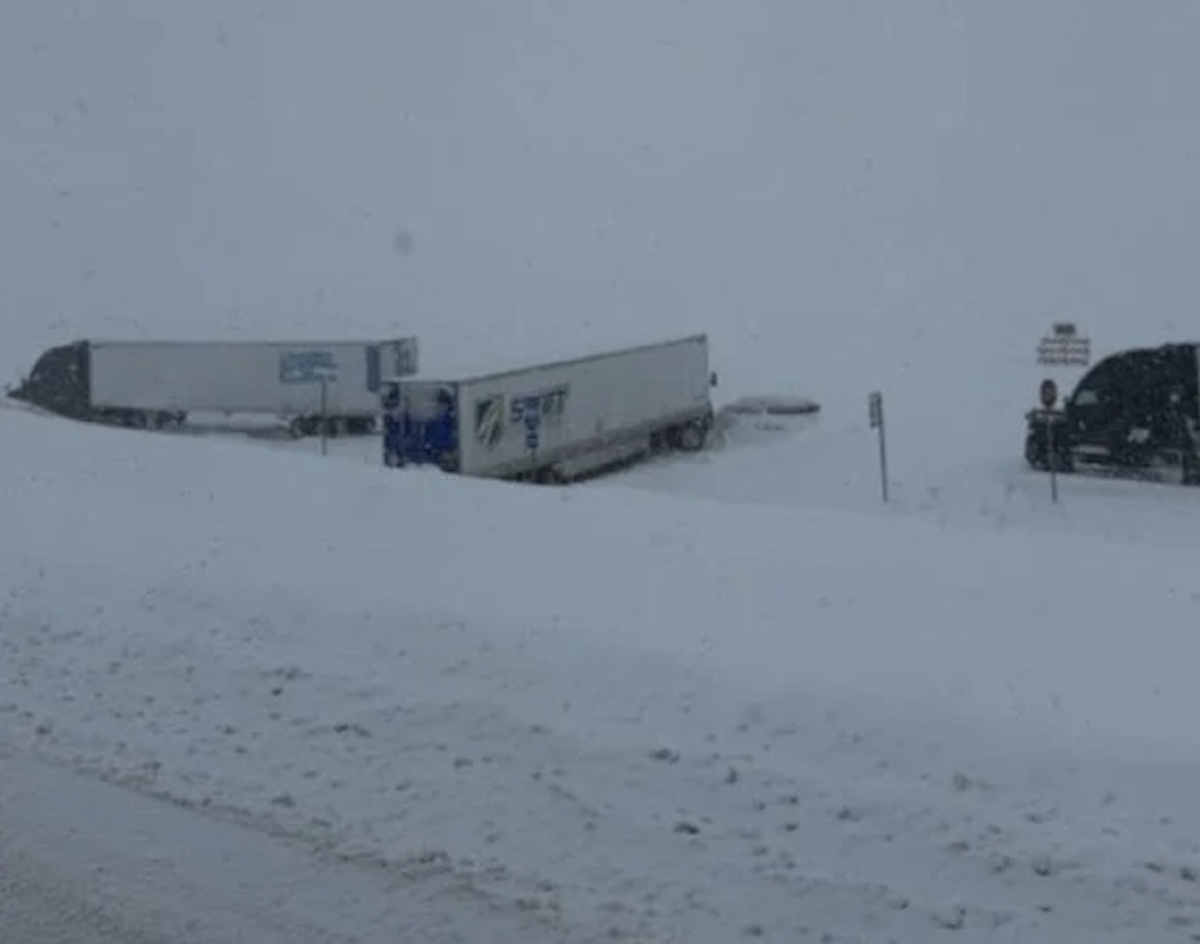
1135, 412
157, 384
553, 422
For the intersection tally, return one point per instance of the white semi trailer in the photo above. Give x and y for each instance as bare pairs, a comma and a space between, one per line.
553, 422
152, 384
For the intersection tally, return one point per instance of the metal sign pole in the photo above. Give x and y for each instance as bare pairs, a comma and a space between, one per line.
1063, 347
875, 410
1052, 448
324, 414
1048, 394
883, 463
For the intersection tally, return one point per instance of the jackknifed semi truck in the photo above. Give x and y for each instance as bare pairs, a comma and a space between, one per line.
157, 384
553, 422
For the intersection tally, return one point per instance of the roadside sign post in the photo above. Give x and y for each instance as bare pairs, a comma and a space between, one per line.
875, 411
324, 413
324, 376
1064, 346
1053, 447
306, 367
1049, 397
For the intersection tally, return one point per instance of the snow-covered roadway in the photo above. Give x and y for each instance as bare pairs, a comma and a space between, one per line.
83, 862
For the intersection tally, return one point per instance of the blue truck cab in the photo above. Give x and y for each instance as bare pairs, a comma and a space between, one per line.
420, 424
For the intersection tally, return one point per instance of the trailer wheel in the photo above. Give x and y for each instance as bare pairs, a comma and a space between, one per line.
336, 427
549, 475
692, 436
303, 426
1190, 468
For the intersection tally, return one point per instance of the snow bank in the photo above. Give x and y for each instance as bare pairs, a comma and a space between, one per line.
633, 715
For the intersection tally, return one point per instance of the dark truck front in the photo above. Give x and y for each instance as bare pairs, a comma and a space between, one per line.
59, 382
1134, 411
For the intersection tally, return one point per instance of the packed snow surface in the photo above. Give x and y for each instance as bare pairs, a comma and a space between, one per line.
85, 862
664, 718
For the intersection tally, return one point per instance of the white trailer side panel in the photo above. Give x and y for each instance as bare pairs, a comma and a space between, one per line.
580, 401
244, 377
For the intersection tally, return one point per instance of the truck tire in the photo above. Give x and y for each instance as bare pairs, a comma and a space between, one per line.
1190, 464
691, 437
550, 475
302, 427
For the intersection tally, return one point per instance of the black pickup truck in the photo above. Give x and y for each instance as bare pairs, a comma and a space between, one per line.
1135, 411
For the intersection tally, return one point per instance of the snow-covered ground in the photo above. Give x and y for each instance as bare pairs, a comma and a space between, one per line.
714, 698
672, 718
84, 862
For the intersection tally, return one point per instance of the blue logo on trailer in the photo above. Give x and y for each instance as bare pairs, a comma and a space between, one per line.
489, 420
550, 403
297, 367
532, 409
533, 426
